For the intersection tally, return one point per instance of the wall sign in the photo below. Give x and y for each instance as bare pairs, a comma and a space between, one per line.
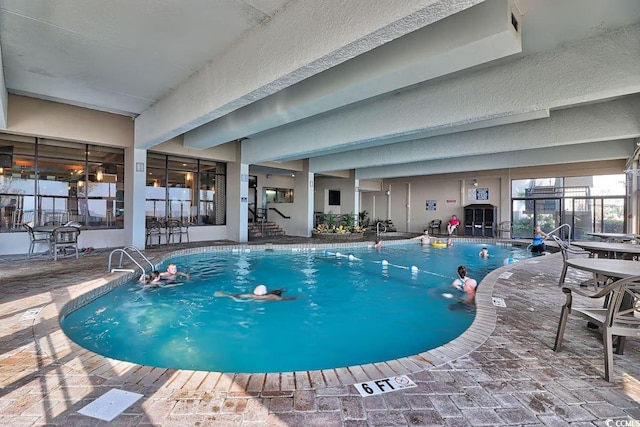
478, 194
431, 205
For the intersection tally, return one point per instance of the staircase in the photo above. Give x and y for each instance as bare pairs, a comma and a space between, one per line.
265, 229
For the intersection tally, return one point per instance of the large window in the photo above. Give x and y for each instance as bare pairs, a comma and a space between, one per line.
50, 182
190, 190
586, 203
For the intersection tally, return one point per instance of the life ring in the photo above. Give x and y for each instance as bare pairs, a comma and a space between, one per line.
439, 245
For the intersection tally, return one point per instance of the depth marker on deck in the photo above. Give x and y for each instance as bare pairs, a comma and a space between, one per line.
31, 314
498, 302
384, 385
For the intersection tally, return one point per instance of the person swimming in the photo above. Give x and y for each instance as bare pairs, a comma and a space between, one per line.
260, 293
464, 283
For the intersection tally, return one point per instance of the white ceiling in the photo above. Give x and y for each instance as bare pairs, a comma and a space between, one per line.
273, 70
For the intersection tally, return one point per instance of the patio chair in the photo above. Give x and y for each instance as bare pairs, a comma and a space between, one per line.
435, 224
176, 228
154, 229
63, 238
567, 251
35, 238
619, 318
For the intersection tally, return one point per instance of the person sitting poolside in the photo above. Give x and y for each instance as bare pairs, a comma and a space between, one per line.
454, 222
260, 293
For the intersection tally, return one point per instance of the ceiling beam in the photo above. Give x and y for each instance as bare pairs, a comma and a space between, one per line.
596, 122
284, 51
595, 151
486, 33
554, 79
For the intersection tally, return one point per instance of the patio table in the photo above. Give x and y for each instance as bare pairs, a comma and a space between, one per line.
610, 268
609, 249
614, 236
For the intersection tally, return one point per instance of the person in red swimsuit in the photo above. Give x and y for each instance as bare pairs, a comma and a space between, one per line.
454, 222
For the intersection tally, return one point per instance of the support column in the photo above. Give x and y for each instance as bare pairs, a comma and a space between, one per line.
135, 182
238, 201
356, 201
302, 221
4, 97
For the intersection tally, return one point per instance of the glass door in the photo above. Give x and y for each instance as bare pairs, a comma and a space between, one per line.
528, 212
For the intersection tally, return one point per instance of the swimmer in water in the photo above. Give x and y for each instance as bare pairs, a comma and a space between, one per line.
260, 293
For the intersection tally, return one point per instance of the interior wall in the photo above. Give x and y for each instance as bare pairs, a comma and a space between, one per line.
36, 117
346, 186
452, 192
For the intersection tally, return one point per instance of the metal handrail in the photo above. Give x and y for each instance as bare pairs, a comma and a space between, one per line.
123, 252
550, 234
380, 223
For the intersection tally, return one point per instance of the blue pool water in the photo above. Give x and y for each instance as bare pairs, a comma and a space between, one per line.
347, 311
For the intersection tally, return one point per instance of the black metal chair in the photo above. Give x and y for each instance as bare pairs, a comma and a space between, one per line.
435, 224
63, 238
35, 238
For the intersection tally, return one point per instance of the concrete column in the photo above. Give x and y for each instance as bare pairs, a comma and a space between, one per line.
238, 201
302, 221
135, 182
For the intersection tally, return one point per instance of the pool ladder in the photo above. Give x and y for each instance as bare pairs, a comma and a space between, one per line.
125, 251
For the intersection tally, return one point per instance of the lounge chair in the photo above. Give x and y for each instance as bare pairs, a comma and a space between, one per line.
620, 316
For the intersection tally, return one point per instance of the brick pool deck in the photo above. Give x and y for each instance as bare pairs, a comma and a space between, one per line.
500, 372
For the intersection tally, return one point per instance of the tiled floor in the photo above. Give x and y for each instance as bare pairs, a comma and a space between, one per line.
503, 372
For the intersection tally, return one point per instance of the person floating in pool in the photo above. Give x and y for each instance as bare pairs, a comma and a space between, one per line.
172, 273
484, 253
260, 293
464, 283
377, 244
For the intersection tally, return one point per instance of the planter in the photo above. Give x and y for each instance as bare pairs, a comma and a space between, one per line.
338, 236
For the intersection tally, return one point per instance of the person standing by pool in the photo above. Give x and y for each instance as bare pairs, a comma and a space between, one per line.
537, 246
454, 222
424, 238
